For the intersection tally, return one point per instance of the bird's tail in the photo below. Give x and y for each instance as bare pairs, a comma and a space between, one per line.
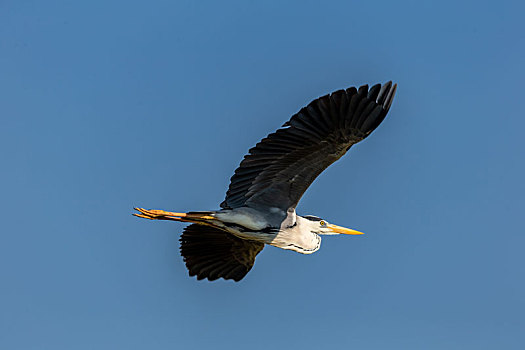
199, 217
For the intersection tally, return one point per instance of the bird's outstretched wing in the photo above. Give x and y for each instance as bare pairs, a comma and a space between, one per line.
212, 253
279, 169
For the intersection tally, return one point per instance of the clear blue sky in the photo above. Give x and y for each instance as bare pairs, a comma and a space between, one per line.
106, 105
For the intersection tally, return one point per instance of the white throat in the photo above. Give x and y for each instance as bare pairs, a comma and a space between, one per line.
300, 238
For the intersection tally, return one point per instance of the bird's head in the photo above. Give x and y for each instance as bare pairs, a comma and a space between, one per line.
322, 227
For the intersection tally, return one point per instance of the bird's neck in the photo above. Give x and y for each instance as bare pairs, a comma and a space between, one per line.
299, 238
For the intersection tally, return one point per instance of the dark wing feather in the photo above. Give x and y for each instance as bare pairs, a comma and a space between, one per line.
212, 253
279, 169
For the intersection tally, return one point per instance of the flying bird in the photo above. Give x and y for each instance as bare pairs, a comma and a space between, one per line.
265, 189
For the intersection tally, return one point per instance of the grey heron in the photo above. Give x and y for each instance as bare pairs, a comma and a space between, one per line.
265, 189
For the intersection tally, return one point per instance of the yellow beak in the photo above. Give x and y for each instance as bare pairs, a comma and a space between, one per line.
343, 230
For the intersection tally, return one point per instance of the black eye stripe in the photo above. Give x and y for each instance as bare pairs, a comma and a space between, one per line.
312, 218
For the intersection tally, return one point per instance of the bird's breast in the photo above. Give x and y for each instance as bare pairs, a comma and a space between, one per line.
300, 242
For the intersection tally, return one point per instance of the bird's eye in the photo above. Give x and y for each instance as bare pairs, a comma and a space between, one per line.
322, 223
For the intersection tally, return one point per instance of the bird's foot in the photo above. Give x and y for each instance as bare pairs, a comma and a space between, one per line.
155, 214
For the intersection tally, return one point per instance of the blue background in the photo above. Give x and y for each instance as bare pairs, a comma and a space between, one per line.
106, 105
